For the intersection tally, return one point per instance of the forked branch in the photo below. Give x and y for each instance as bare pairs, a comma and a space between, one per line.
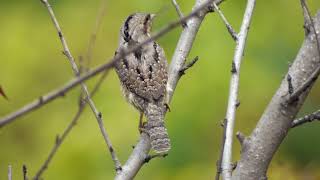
180, 14
276, 121
309, 25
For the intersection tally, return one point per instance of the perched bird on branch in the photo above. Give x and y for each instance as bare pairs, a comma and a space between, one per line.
143, 76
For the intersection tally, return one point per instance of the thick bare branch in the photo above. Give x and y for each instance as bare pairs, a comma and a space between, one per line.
136, 159
307, 118
226, 165
277, 118
309, 24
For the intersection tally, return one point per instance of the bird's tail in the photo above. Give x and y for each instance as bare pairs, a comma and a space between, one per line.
156, 129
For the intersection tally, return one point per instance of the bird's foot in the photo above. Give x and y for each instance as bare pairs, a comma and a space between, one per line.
167, 107
142, 128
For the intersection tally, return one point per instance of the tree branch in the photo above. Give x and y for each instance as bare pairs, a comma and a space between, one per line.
54, 94
24, 172
9, 172
219, 161
276, 120
93, 37
309, 24
226, 165
60, 140
307, 118
188, 65
3, 94
149, 157
84, 67
240, 137
185, 43
75, 69
180, 14
58, 143
231, 31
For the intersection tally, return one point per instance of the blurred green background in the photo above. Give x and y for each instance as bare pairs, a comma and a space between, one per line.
32, 64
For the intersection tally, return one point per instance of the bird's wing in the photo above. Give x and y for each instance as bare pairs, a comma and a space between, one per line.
144, 72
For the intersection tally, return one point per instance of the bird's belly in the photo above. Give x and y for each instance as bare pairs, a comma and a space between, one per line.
132, 98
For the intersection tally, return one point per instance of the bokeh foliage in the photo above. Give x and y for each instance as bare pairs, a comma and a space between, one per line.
32, 64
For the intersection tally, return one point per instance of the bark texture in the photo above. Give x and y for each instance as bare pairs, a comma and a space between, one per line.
259, 148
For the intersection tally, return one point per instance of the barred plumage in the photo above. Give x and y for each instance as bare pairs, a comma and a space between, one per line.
143, 77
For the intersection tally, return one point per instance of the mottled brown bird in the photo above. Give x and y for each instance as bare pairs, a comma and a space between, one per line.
143, 77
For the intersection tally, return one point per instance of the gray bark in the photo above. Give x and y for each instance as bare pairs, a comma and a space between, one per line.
259, 148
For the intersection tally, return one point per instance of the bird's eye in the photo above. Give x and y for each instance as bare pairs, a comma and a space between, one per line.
147, 19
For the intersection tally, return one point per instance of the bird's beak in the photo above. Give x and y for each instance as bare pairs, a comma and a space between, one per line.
152, 16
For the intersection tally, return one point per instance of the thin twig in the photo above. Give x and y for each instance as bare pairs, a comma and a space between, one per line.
82, 69
314, 76
240, 137
3, 94
60, 92
223, 138
84, 88
68, 129
307, 118
188, 65
307, 22
93, 37
233, 92
180, 14
25, 172
149, 157
232, 32
9, 172
290, 86
54, 94
82, 105
58, 142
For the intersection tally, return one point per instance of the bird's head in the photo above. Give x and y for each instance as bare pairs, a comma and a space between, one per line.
137, 26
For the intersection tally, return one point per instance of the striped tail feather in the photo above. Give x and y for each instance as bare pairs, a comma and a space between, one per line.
156, 129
